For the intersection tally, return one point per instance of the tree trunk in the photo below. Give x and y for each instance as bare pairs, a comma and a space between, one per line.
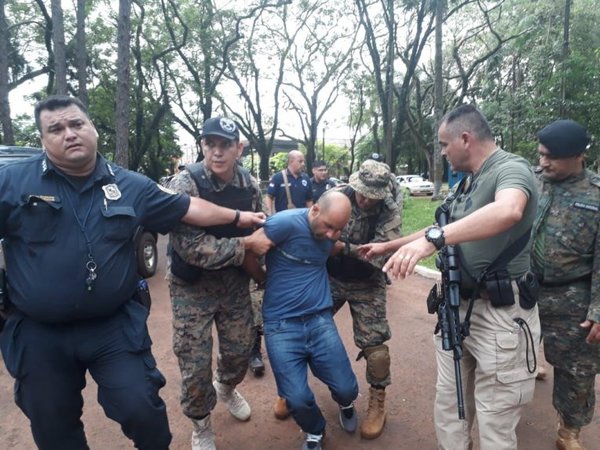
122, 108
60, 50
565, 59
438, 160
389, 81
7, 128
81, 53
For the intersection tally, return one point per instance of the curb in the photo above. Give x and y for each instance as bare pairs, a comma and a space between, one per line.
428, 273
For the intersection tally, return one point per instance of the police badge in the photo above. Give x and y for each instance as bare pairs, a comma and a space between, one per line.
111, 192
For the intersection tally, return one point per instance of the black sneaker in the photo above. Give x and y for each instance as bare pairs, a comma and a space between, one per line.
313, 441
348, 418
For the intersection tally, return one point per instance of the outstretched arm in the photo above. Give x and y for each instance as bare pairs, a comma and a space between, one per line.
205, 214
494, 218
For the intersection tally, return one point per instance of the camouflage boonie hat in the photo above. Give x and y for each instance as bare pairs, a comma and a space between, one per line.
371, 180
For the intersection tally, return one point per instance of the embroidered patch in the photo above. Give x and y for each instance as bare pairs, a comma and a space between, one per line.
586, 206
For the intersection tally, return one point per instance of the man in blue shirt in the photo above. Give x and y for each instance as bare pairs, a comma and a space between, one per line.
298, 324
289, 188
320, 180
67, 218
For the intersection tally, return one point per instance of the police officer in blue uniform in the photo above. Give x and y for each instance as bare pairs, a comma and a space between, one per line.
68, 218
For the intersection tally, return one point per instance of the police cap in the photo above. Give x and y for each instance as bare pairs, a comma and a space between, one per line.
221, 126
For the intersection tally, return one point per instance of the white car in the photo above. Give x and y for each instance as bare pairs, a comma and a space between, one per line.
415, 184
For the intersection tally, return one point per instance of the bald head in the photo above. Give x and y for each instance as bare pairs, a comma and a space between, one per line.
295, 162
329, 215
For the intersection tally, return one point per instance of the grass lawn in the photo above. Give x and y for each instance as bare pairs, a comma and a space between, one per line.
419, 212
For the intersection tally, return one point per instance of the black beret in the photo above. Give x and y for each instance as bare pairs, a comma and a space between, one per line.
564, 138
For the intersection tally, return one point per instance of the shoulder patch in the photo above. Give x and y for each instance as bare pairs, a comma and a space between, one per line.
166, 189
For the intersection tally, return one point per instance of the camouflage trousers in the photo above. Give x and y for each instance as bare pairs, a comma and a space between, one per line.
575, 362
256, 296
367, 302
222, 299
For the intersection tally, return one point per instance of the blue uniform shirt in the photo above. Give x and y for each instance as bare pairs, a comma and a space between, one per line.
50, 222
319, 188
300, 190
297, 282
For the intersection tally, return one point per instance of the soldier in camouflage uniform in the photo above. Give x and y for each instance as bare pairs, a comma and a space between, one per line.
208, 284
376, 217
566, 259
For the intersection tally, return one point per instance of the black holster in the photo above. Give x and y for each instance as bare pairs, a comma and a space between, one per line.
499, 288
142, 294
529, 290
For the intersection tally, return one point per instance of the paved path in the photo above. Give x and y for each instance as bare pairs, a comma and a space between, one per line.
409, 398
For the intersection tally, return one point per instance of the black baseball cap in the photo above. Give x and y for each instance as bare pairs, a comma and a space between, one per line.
221, 126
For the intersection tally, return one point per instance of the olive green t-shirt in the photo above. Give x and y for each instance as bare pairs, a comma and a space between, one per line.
500, 171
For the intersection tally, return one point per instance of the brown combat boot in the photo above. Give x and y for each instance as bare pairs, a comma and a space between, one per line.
373, 424
280, 409
568, 438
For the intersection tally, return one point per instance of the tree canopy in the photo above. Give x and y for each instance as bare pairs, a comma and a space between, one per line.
372, 70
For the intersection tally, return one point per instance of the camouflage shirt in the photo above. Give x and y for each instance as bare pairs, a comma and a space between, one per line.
382, 223
199, 248
566, 233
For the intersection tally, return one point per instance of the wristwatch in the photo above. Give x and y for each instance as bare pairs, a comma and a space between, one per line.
435, 235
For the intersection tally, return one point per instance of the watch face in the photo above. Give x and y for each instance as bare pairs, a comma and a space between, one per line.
434, 233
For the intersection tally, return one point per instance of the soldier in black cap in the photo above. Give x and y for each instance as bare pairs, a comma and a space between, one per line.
566, 260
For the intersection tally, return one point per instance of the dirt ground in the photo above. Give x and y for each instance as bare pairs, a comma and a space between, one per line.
409, 398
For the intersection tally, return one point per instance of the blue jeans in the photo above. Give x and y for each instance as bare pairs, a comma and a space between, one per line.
295, 344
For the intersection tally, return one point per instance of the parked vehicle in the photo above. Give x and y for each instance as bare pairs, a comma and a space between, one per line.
415, 184
146, 254
10, 154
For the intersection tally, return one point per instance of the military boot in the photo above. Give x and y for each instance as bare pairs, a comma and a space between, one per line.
256, 364
373, 424
568, 438
233, 400
203, 436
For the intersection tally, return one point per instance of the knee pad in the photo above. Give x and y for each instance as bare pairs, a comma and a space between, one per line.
378, 362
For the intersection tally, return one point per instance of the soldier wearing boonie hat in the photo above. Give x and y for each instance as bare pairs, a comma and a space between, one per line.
376, 217
372, 180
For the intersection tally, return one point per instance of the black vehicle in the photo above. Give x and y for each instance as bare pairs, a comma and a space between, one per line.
145, 241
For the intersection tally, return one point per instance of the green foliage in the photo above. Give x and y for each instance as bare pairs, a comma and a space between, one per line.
418, 213
26, 133
278, 161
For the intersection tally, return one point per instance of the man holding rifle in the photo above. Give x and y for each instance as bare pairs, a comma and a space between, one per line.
489, 222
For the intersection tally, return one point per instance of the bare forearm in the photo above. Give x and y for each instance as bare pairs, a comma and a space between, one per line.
253, 268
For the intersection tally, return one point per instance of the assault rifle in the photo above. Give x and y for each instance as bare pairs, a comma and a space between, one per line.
446, 301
